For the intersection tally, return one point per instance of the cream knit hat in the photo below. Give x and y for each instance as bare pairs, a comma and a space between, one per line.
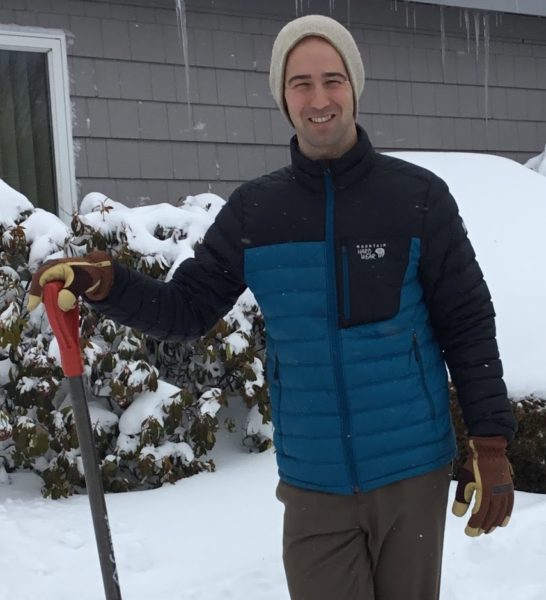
319, 26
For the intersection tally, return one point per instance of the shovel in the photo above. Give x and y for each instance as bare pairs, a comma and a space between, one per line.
65, 326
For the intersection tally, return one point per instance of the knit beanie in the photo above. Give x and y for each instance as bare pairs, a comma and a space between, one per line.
315, 26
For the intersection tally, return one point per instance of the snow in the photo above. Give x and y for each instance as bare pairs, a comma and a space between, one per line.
257, 369
13, 203
188, 223
217, 536
255, 424
208, 402
168, 449
145, 405
237, 342
538, 163
102, 417
47, 234
5, 366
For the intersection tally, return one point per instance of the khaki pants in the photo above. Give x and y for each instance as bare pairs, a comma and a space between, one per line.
380, 545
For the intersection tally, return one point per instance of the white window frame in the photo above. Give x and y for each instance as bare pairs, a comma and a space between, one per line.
53, 43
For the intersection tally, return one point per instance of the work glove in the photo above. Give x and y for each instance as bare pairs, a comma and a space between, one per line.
91, 275
488, 474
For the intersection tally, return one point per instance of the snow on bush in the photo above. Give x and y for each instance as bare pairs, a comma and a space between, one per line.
154, 405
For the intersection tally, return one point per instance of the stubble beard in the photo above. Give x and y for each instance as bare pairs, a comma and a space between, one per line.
325, 145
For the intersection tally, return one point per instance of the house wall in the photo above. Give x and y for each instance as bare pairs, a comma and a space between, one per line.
134, 136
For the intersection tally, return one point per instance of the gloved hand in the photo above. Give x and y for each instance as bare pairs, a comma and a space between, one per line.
91, 275
487, 473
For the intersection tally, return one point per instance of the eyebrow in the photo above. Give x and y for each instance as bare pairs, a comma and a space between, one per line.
323, 75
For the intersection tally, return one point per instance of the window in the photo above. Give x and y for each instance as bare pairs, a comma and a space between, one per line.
36, 151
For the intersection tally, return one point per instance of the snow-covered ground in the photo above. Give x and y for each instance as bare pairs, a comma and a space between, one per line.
218, 536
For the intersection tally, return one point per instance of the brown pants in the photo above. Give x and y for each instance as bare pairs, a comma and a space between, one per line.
380, 545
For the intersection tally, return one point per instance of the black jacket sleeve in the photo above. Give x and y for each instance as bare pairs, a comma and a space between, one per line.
463, 317
202, 289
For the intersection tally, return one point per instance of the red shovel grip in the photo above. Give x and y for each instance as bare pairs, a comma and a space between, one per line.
66, 327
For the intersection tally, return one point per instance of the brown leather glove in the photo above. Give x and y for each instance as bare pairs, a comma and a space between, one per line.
488, 473
91, 275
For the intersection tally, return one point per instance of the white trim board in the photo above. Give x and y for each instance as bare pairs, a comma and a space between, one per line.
53, 43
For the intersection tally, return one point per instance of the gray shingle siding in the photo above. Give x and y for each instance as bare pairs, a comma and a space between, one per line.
128, 87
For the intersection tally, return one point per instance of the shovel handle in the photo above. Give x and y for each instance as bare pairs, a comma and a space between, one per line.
66, 327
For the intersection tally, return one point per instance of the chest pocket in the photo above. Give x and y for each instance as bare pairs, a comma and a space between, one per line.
372, 275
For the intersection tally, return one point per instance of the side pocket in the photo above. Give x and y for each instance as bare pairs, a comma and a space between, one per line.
424, 387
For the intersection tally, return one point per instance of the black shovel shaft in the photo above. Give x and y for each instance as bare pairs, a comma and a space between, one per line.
93, 480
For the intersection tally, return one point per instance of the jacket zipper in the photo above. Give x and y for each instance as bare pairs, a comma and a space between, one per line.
333, 331
345, 272
418, 359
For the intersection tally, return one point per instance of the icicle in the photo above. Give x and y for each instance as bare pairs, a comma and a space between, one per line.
477, 33
297, 14
460, 18
486, 40
396, 5
467, 25
496, 19
407, 15
443, 39
348, 13
414, 17
183, 39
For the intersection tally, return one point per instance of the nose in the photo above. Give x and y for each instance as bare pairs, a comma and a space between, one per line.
320, 98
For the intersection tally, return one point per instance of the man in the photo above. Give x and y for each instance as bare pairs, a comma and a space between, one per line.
368, 285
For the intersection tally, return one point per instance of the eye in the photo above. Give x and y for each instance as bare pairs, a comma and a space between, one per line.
333, 82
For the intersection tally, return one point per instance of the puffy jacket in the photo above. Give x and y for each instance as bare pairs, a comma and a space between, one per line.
368, 285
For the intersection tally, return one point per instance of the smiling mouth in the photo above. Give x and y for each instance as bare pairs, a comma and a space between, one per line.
321, 119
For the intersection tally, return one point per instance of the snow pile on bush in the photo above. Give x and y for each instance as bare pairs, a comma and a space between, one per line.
154, 405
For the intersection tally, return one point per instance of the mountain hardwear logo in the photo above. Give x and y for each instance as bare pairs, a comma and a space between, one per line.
371, 251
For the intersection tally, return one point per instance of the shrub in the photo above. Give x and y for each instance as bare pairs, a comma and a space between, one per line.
154, 405
527, 452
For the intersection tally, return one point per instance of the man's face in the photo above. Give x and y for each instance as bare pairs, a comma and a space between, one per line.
319, 99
